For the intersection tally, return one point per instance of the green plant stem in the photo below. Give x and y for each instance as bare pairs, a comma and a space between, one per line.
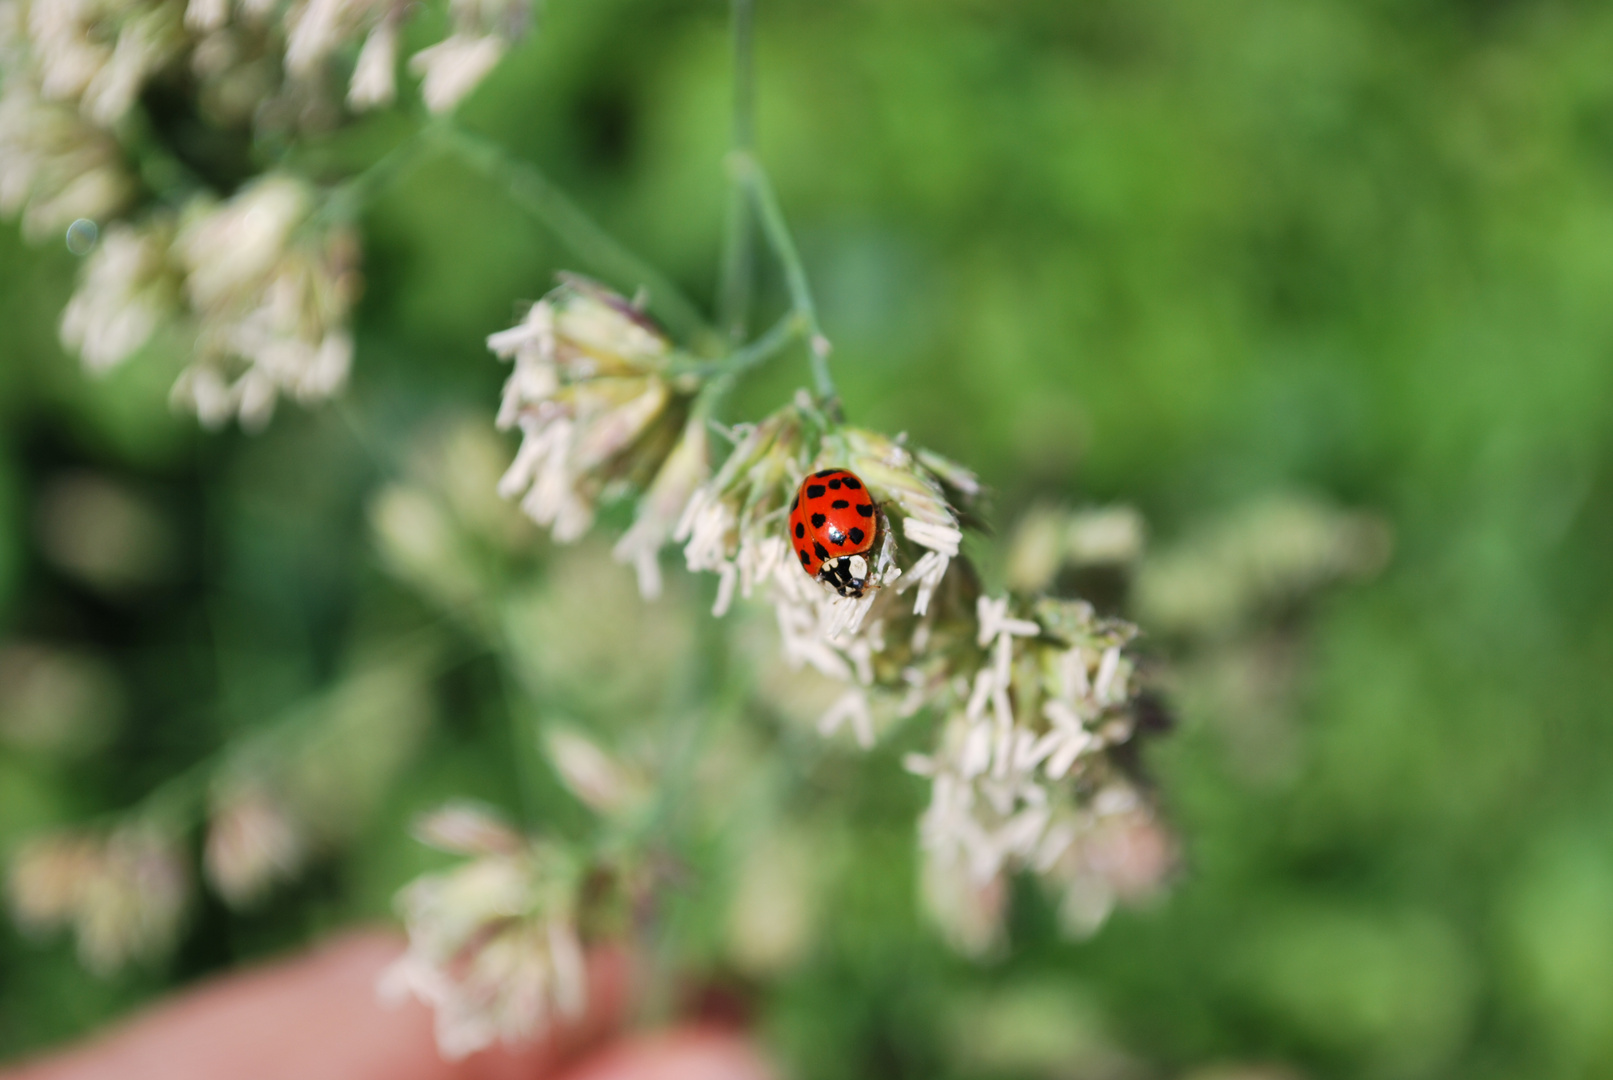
491, 628
789, 326
738, 267
531, 190
350, 198
524, 730
181, 798
777, 230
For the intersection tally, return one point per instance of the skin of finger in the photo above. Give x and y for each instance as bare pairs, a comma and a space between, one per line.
687, 1054
316, 1017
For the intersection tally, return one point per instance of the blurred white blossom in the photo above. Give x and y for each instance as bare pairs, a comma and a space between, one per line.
133, 904
493, 945
97, 53
1047, 539
271, 290
125, 291
124, 894
206, 15
601, 780
592, 402
253, 842
452, 68
55, 167
103, 533
375, 80
47, 878
55, 700
662, 507
969, 911
483, 31
1261, 555
263, 280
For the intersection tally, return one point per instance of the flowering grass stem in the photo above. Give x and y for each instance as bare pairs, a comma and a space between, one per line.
523, 728
179, 800
789, 326
488, 627
350, 198
749, 172
738, 268
530, 189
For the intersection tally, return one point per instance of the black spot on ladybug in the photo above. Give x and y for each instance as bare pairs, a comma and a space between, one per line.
853, 483
800, 530
839, 504
805, 558
825, 472
819, 550
837, 537
857, 536
866, 509
818, 520
834, 485
815, 491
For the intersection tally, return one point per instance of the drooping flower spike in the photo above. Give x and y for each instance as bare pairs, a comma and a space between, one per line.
259, 284
1031, 698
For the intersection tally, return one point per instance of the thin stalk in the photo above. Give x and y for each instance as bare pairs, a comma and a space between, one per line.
738, 266
180, 799
789, 326
523, 734
777, 231
351, 197
529, 189
523, 729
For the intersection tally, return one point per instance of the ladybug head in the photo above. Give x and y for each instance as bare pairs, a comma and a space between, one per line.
848, 574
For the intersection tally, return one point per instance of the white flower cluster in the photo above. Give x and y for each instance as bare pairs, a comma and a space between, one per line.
124, 894
97, 56
261, 278
493, 945
262, 285
69, 72
1035, 701
316, 30
270, 290
734, 527
254, 841
598, 413
125, 292
55, 166
1022, 778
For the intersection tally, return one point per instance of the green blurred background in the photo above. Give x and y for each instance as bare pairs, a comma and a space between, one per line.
1185, 256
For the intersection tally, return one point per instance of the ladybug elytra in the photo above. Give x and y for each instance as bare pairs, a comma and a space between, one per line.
832, 527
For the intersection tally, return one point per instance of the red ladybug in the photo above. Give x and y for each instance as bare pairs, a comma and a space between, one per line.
832, 526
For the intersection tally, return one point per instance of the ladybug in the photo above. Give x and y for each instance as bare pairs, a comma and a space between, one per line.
832, 527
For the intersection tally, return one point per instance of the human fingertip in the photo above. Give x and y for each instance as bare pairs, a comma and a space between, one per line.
685, 1054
